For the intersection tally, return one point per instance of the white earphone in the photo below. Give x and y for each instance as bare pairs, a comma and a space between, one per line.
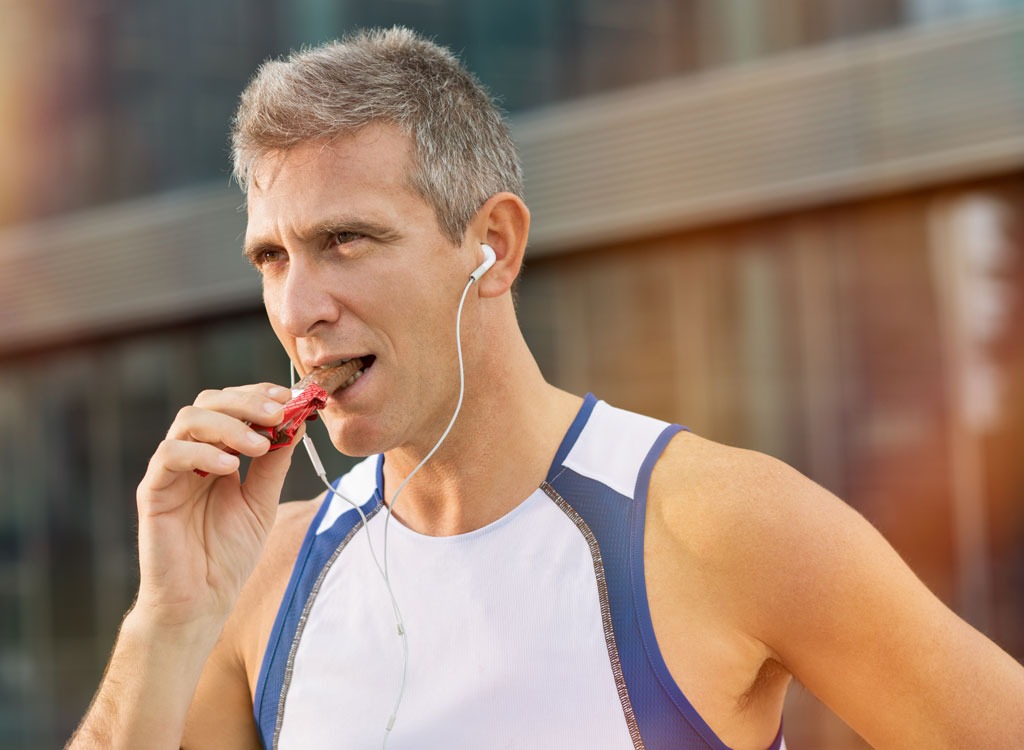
489, 258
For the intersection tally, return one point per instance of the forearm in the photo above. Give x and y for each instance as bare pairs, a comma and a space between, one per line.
199, 540
145, 694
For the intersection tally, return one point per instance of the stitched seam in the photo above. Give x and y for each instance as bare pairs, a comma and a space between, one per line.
606, 612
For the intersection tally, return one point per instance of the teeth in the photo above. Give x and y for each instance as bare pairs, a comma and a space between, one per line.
354, 378
335, 363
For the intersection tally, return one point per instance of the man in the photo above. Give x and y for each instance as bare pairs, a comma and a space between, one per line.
560, 573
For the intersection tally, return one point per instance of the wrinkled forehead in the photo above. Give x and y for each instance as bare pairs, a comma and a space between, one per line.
381, 147
359, 180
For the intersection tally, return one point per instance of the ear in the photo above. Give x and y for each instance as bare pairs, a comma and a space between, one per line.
503, 222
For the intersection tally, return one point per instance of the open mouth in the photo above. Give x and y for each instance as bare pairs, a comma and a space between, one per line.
339, 375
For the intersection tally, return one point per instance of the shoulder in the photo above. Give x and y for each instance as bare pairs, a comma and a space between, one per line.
290, 527
785, 563
767, 535
714, 490
248, 628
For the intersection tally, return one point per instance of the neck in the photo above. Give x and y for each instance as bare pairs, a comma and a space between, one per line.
497, 453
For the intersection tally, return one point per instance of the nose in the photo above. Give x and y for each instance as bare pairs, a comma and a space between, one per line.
300, 300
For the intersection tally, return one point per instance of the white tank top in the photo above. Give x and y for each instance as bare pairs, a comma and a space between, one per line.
531, 632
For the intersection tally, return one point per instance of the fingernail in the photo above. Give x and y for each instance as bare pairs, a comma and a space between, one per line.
270, 407
226, 460
275, 391
255, 438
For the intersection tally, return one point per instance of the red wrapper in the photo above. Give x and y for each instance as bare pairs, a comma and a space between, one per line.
302, 407
298, 410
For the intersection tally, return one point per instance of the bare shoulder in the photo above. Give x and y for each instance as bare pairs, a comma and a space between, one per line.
774, 540
770, 540
794, 568
712, 496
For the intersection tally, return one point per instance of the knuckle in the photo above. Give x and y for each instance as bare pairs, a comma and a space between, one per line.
159, 457
182, 420
162, 449
165, 451
206, 396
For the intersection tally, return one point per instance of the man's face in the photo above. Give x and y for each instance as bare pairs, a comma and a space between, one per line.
355, 265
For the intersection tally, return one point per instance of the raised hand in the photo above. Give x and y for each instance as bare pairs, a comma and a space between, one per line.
200, 537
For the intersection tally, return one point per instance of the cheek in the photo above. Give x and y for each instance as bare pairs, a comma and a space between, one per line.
434, 320
287, 341
270, 303
413, 303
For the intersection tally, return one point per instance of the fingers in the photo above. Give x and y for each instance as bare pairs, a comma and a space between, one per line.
204, 426
223, 417
209, 434
260, 404
175, 456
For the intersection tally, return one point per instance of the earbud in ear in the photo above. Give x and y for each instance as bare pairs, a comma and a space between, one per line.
489, 258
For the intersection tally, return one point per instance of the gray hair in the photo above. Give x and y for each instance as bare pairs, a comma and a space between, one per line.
462, 151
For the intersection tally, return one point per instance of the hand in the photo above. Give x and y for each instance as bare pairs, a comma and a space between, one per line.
200, 537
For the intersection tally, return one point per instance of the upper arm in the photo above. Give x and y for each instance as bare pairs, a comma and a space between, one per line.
819, 586
855, 625
221, 715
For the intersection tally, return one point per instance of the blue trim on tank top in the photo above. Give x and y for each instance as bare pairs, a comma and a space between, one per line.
582, 417
641, 605
274, 642
287, 613
610, 517
650, 685
378, 493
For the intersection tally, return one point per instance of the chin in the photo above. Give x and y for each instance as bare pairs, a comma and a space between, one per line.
350, 440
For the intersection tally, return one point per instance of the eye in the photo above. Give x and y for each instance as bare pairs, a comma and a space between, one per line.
343, 238
266, 256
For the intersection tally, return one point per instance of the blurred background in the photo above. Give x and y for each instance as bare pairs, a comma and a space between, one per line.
793, 225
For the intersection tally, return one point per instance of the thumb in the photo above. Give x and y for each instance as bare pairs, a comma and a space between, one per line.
265, 479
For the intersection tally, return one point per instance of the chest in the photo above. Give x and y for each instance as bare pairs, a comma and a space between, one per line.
507, 643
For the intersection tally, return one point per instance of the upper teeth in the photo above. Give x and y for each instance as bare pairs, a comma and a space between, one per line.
335, 363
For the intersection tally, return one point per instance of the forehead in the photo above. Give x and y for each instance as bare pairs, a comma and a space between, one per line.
365, 171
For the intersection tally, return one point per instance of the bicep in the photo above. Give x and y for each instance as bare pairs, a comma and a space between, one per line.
221, 714
854, 624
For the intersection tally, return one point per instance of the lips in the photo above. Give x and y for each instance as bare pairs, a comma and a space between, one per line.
338, 375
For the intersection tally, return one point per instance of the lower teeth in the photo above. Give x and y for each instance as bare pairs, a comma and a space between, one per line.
358, 374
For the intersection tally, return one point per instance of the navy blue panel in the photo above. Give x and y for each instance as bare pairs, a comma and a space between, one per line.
380, 477
316, 550
665, 718
655, 662
641, 606
662, 721
570, 437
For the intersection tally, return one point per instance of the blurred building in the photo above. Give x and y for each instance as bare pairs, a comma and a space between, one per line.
795, 226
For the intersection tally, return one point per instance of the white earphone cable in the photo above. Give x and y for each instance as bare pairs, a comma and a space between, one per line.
448, 429
322, 474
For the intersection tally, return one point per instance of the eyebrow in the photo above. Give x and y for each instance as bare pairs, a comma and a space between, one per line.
382, 232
